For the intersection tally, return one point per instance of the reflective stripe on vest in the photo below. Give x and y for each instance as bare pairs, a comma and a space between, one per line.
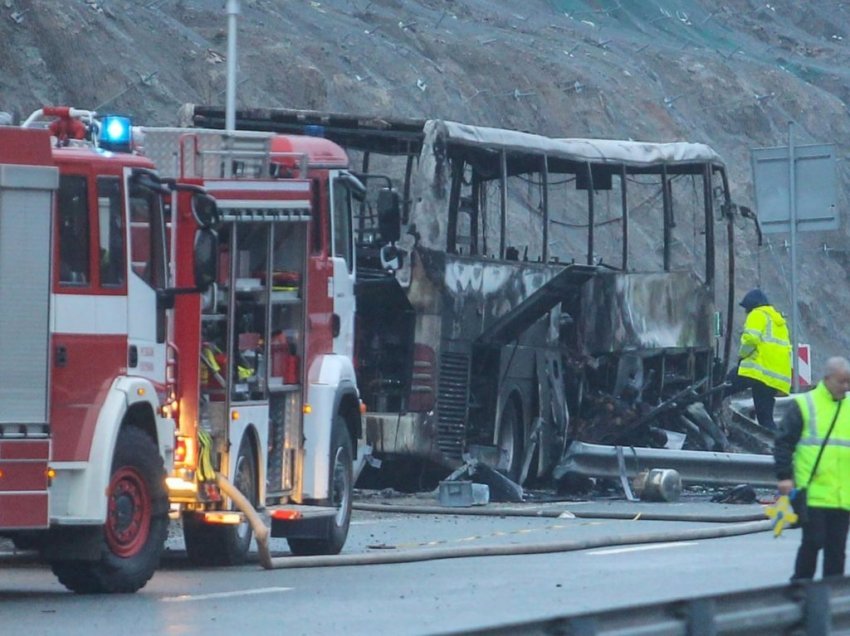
768, 331
749, 364
814, 439
765, 350
829, 487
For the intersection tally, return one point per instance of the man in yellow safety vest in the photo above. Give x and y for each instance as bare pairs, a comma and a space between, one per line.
764, 357
812, 454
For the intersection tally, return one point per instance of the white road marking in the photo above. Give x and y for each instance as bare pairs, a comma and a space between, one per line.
638, 548
183, 598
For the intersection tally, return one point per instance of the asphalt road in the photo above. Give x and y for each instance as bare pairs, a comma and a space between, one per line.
416, 598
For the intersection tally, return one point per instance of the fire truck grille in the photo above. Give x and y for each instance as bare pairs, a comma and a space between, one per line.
452, 403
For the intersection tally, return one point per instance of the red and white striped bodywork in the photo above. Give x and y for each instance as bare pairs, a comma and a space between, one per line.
79, 346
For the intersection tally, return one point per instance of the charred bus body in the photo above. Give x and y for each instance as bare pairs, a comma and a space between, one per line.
517, 292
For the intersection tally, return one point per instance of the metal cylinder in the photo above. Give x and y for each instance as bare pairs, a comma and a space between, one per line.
661, 484
233, 11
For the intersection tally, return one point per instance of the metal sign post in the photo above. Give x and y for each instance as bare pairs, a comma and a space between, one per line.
230, 110
792, 212
797, 197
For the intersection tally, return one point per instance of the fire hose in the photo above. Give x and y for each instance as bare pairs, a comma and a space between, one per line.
261, 532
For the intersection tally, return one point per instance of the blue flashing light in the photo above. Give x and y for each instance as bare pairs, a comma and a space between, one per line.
115, 133
314, 130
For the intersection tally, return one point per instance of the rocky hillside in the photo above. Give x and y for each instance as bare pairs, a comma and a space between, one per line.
730, 73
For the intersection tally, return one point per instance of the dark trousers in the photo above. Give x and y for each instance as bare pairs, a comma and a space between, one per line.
826, 530
763, 397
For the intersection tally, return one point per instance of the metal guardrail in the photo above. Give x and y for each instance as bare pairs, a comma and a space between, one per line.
694, 467
815, 609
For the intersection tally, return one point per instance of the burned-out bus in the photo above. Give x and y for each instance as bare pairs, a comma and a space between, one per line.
517, 292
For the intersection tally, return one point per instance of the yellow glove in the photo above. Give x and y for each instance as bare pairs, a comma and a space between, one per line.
782, 514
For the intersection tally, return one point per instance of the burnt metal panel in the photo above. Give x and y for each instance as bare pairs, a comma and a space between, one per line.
511, 325
477, 293
647, 312
452, 403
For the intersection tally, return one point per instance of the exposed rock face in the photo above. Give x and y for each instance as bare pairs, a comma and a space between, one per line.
730, 74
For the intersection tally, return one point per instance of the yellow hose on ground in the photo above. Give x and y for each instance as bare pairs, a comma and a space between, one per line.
261, 530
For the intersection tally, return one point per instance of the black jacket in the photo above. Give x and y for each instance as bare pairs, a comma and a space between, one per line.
787, 437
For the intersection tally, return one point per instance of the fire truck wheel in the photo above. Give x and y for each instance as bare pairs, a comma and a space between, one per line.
511, 439
342, 486
225, 544
27, 542
136, 522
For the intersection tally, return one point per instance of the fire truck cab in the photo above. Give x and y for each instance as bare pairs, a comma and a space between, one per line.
86, 434
266, 394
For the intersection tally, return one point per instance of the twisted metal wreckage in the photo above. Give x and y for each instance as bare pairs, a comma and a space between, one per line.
519, 292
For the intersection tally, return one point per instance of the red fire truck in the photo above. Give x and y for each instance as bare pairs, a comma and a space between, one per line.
266, 392
86, 433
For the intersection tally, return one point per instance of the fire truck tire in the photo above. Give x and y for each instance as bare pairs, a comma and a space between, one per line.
342, 487
225, 544
27, 542
511, 437
136, 526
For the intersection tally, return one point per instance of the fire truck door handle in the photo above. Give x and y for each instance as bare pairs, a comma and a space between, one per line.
335, 325
61, 356
133, 357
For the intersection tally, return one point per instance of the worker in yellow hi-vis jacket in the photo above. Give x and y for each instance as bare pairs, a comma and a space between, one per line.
812, 459
764, 357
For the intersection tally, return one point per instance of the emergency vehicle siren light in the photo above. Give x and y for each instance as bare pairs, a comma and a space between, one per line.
115, 133
314, 130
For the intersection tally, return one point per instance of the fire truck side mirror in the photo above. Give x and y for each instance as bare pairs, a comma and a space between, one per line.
389, 215
206, 258
205, 210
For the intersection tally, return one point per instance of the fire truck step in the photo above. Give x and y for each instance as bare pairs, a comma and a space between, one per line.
301, 522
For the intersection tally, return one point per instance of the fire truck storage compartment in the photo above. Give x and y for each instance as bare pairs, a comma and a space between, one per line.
26, 212
23, 489
26, 209
284, 442
254, 336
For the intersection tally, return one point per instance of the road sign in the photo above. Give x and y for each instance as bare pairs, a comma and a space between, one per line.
804, 366
815, 186
795, 195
